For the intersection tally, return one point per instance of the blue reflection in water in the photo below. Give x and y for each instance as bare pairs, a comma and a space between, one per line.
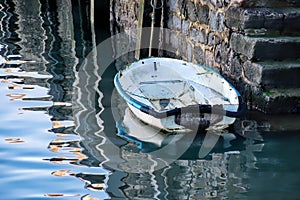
57, 139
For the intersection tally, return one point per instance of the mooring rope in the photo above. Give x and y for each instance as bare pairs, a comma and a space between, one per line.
139, 29
161, 32
155, 7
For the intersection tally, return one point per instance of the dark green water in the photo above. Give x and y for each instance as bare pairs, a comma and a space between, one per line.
59, 136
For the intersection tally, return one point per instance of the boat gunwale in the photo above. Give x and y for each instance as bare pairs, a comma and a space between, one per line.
199, 108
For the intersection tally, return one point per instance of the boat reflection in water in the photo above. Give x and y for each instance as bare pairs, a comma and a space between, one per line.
220, 173
142, 161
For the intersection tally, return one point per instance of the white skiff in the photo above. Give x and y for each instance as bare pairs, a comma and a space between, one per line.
175, 95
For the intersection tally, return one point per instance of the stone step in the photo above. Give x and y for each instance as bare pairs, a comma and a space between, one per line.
279, 101
270, 3
272, 74
282, 21
266, 48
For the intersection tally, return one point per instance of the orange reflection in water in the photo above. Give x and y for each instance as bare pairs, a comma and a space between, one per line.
87, 197
62, 124
15, 96
63, 172
61, 195
14, 140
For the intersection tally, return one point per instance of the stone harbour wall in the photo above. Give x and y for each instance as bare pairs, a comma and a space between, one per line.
253, 43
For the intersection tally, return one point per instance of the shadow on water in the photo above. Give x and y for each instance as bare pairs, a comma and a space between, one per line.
60, 137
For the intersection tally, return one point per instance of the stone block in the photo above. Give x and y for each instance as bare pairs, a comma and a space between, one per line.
220, 22
281, 19
265, 48
194, 35
211, 39
202, 14
198, 35
233, 69
278, 101
212, 20
202, 36
176, 23
174, 43
183, 45
291, 22
189, 52
172, 6
269, 3
209, 60
274, 74
191, 11
199, 55
222, 53
219, 3
213, 2
253, 72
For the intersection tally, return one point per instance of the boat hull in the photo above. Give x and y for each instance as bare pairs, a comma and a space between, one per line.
174, 95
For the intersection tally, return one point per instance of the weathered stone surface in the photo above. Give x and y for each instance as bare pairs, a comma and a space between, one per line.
220, 3
199, 55
248, 43
283, 19
274, 74
189, 52
202, 36
203, 12
198, 36
278, 101
191, 11
178, 24
264, 48
173, 6
174, 40
209, 61
268, 3
211, 39
212, 20
194, 35
183, 45
220, 22
236, 68
222, 53
277, 48
253, 72
213, 2
291, 21
241, 44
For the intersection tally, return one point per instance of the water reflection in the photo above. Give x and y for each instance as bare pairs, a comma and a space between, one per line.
38, 68
59, 138
220, 174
